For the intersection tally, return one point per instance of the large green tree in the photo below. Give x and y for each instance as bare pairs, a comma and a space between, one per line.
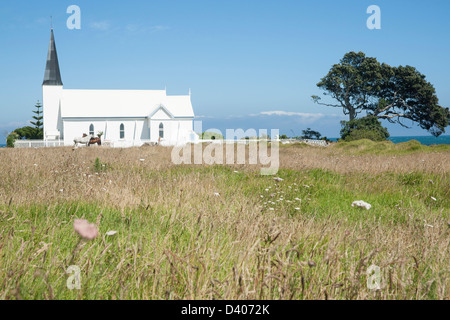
362, 84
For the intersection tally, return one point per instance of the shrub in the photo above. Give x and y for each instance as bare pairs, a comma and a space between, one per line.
368, 127
359, 134
13, 136
311, 134
211, 136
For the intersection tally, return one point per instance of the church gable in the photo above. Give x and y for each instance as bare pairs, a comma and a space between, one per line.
161, 113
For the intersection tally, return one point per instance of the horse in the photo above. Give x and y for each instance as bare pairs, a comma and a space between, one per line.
84, 140
97, 141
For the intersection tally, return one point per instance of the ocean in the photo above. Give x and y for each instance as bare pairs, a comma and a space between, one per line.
425, 140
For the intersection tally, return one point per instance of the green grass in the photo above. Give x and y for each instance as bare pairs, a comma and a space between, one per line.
258, 239
161, 244
365, 146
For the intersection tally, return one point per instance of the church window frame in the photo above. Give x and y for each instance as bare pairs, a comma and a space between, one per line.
161, 130
91, 129
122, 131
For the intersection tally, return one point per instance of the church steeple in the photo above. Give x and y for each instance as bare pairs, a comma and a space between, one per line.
52, 76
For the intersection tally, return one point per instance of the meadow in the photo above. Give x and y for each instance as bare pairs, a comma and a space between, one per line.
225, 231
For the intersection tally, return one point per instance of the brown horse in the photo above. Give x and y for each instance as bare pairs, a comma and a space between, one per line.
97, 141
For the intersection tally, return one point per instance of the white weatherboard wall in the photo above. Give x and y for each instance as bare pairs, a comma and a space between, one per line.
141, 112
51, 103
175, 130
135, 129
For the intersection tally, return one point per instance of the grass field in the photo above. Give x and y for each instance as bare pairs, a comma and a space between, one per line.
258, 239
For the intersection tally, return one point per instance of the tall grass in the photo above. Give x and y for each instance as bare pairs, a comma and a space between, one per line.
259, 239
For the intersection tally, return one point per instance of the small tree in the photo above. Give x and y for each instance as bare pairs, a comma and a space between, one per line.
364, 128
12, 137
38, 123
311, 134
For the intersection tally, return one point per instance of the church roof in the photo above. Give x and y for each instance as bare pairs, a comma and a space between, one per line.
122, 104
52, 76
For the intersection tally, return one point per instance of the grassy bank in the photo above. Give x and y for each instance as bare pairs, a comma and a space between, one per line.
258, 239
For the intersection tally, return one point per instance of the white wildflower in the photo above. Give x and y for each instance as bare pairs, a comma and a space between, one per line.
361, 204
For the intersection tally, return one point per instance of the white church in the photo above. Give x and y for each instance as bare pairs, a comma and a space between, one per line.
126, 117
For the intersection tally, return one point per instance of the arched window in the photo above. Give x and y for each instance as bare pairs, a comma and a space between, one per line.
122, 131
161, 131
91, 130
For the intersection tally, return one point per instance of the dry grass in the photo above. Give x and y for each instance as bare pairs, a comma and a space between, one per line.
177, 240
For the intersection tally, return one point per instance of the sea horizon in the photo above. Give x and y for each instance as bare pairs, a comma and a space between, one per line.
425, 140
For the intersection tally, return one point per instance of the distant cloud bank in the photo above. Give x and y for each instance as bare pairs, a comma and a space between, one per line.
100, 25
132, 27
312, 116
288, 122
279, 113
13, 125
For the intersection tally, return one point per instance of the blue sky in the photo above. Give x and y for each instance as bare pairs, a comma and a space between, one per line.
243, 60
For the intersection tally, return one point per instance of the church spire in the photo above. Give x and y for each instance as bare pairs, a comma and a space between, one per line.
52, 76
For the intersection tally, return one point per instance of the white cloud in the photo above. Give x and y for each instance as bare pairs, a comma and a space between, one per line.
311, 116
142, 28
13, 125
159, 28
7, 128
42, 21
204, 117
100, 25
302, 116
132, 27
